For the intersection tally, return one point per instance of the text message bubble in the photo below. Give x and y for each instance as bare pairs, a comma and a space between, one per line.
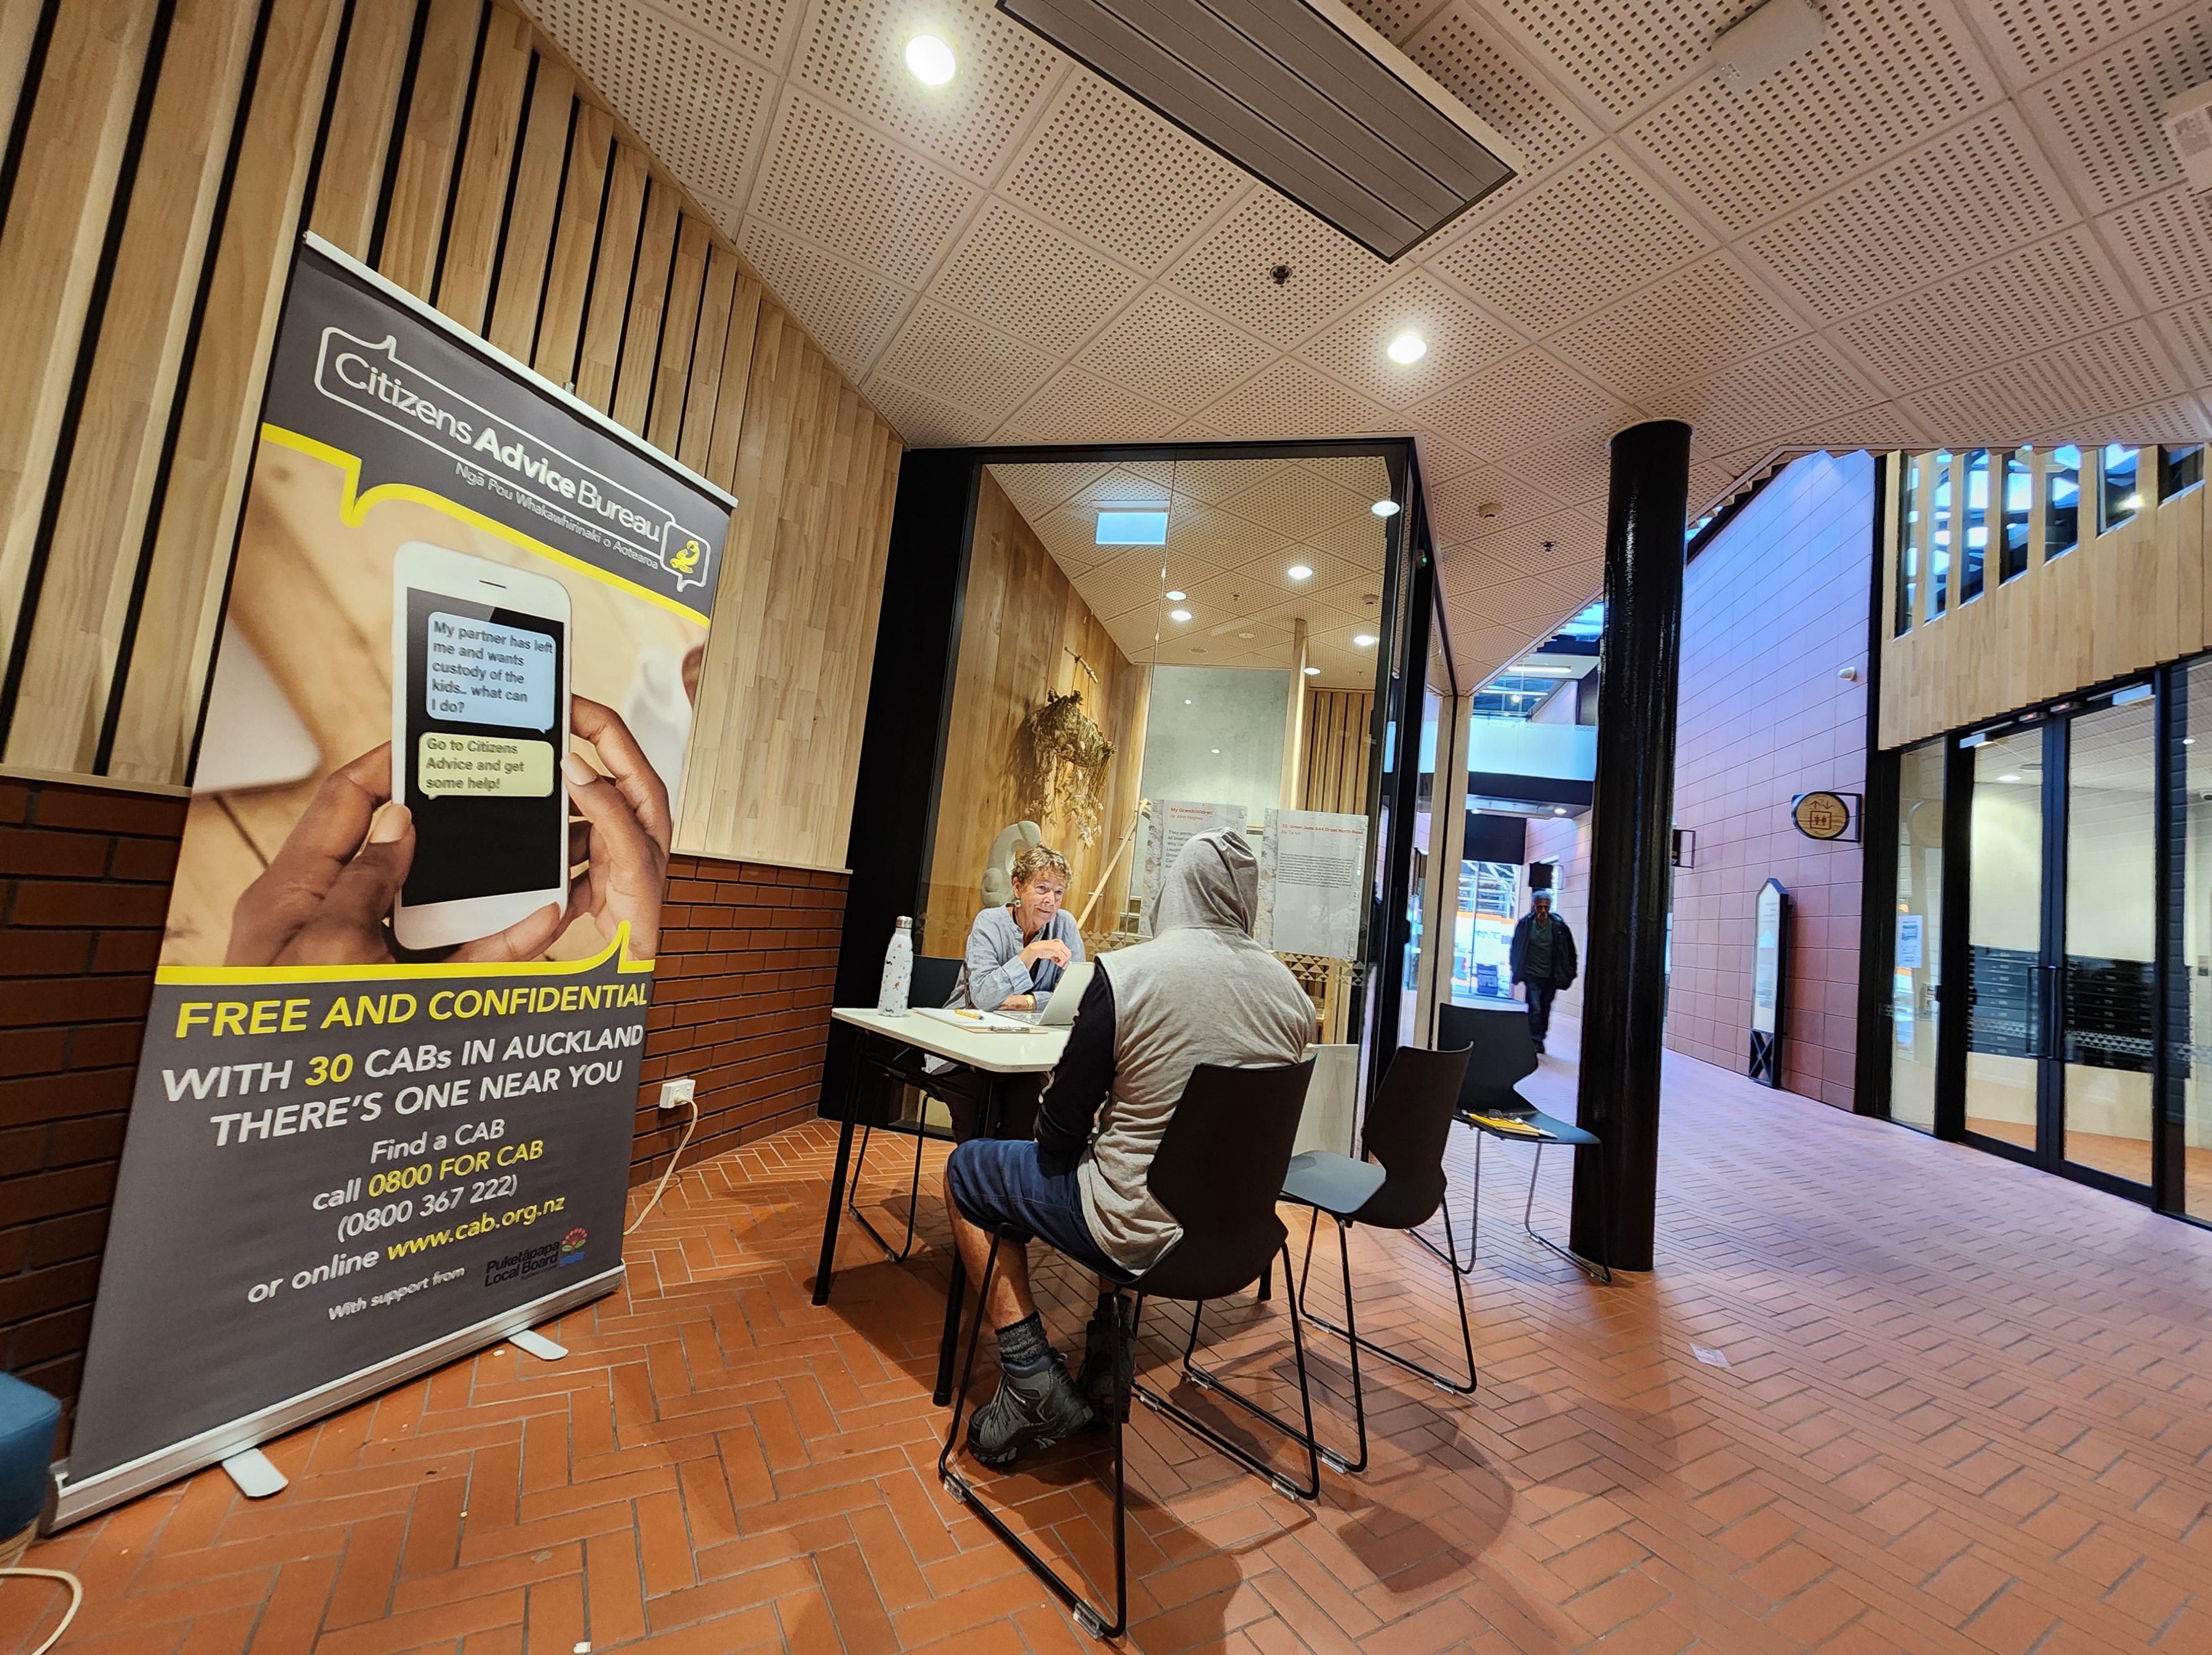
482, 673
484, 766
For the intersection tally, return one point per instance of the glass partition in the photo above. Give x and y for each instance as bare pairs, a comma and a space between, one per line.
1916, 937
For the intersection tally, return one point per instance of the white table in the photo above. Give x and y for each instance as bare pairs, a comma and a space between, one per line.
996, 1056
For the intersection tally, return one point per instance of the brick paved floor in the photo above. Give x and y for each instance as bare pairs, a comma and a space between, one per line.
1965, 1408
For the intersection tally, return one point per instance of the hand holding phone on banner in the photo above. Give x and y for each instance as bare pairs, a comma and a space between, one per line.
625, 832
323, 899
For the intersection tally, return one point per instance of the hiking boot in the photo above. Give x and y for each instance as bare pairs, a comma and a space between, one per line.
1109, 1356
1033, 1411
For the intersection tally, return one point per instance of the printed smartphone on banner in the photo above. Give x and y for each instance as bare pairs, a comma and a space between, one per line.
479, 724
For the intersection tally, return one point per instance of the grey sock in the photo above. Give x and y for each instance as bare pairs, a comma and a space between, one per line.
1022, 1348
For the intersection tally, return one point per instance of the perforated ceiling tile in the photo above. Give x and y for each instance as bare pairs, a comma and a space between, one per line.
1230, 269
1297, 502
1457, 48
961, 361
1521, 400
2121, 367
1974, 192
760, 28
922, 421
1591, 234
849, 311
1574, 468
1441, 459
1080, 407
1455, 507
1889, 75
853, 56
1693, 324
1394, 19
2172, 419
2107, 109
843, 188
1290, 400
2039, 295
1046, 486
1573, 532
2045, 33
1032, 281
1166, 349
1622, 52
1215, 482
1119, 176
1781, 390
2161, 239
2189, 328
1880, 427
1460, 338
701, 108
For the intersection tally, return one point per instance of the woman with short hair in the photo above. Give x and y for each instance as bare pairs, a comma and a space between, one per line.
1017, 953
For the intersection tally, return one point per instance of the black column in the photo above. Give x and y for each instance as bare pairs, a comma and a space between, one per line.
1625, 942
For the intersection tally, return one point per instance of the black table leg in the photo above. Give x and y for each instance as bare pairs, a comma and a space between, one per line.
827, 1266
987, 1126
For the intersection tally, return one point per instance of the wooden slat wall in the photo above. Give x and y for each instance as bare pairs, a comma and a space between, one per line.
2117, 604
1339, 739
1023, 618
171, 155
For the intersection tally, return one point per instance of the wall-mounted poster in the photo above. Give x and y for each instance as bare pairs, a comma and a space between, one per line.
383, 1106
1174, 824
1312, 889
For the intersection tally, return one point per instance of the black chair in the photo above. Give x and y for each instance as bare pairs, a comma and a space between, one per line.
932, 983
1397, 1185
1219, 1166
1501, 1053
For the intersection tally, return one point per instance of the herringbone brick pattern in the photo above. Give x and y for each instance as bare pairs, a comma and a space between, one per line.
1965, 1410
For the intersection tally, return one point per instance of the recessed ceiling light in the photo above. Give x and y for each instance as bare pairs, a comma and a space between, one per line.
1408, 349
1314, 672
1178, 597
1299, 572
1558, 810
930, 60
1126, 525
1217, 750
1186, 701
1243, 635
1365, 639
1385, 508
1178, 614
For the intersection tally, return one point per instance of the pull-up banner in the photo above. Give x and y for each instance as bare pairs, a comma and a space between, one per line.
384, 1107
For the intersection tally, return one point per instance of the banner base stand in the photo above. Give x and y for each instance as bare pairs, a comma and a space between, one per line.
531, 1343
78, 1499
255, 1476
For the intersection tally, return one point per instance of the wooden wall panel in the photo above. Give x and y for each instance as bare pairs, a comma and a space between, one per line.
84, 601
2116, 604
478, 169
1339, 740
58, 217
19, 31
1021, 634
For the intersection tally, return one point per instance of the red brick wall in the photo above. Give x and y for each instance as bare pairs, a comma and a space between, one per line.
741, 1001
84, 888
1772, 609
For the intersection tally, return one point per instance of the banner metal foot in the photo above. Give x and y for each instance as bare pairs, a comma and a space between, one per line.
537, 1345
256, 1477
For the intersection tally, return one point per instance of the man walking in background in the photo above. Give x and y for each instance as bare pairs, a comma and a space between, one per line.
1544, 959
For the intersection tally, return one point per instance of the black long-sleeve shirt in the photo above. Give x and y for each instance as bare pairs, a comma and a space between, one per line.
1081, 1082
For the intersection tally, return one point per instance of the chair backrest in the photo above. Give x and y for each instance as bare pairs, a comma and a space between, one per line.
1219, 1172
1500, 1051
934, 979
1408, 1125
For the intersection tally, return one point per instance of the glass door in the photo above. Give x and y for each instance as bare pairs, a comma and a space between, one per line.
2007, 1042
2106, 975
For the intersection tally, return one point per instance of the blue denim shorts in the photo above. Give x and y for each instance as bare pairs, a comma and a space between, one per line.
996, 1183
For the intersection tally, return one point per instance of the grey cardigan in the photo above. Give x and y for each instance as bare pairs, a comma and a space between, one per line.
994, 971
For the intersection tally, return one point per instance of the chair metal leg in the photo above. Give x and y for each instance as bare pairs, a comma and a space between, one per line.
1598, 1272
913, 1196
1205, 1381
1450, 1252
1093, 1619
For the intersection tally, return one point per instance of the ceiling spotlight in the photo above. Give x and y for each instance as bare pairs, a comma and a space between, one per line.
1365, 639
1178, 614
929, 59
1558, 810
1299, 572
2007, 778
1243, 635
1178, 597
1314, 672
1217, 750
1386, 509
1408, 349
1186, 701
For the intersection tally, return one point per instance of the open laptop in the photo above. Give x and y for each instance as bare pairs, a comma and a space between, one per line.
1066, 995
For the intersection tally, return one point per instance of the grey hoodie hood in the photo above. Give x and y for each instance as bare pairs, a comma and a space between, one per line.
1215, 886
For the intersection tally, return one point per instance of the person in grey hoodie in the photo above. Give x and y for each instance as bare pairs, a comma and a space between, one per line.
1201, 992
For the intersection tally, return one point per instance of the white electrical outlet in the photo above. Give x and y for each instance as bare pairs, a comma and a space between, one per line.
674, 1094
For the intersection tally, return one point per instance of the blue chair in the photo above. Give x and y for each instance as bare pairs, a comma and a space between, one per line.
28, 1419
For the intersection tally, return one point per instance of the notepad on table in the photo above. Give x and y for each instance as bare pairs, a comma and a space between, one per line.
980, 1022
1508, 1125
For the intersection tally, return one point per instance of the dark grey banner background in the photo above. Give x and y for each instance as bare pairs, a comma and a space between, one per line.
177, 1345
